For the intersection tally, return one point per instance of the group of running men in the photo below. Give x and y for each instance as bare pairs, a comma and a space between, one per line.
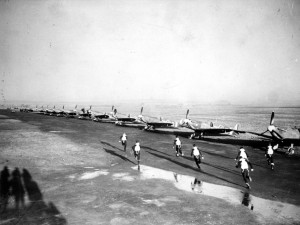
241, 158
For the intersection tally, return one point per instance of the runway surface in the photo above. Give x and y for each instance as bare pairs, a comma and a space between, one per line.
82, 170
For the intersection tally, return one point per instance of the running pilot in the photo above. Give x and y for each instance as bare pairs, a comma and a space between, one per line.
124, 141
177, 146
197, 155
245, 164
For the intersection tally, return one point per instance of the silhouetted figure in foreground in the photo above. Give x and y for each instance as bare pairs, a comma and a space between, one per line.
17, 189
32, 189
4, 188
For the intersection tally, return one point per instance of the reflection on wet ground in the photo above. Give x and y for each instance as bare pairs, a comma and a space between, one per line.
266, 208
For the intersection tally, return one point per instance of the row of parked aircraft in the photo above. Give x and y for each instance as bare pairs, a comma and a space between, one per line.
183, 127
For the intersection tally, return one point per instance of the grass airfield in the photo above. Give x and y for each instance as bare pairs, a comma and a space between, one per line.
85, 177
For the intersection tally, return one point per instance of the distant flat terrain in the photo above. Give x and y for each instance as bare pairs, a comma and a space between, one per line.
85, 177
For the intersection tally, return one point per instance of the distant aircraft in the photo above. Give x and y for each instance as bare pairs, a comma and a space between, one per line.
25, 109
58, 112
38, 110
85, 114
281, 136
69, 113
106, 117
168, 127
132, 121
49, 112
204, 129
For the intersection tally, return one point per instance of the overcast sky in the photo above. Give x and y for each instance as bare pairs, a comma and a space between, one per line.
244, 52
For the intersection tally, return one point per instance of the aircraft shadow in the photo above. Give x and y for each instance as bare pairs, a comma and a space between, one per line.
110, 145
193, 168
120, 156
14, 209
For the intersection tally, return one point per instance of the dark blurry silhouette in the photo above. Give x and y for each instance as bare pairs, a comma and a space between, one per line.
246, 199
17, 189
32, 189
4, 188
37, 212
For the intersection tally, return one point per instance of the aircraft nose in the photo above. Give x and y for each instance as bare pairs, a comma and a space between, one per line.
271, 128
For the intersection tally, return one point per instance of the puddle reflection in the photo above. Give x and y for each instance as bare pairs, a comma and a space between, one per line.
267, 208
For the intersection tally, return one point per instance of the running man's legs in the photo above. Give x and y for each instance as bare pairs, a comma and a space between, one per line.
180, 152
246, 177
137, 155
124, 143
270, 160
197, 161
177, 150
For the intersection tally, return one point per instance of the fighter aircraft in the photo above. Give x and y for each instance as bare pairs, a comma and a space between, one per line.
70, 113
49, 112
58, 112
278, 135
86, 114
106, 117
24, 109
38, 110
168, 127
129, 121
204, 129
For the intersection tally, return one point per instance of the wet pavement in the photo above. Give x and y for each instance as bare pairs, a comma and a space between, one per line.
267, 208
81, 167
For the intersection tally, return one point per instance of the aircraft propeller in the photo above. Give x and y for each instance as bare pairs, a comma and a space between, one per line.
272, 118
272, 129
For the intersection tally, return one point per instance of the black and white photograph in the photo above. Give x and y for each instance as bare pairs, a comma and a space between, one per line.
164, 112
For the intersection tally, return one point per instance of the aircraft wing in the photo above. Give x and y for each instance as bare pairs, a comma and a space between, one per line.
126, 119
104, 116
215, 130
160, 124
254, 133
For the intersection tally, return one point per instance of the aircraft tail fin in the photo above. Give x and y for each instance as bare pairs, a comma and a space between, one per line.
234, 132
237, 126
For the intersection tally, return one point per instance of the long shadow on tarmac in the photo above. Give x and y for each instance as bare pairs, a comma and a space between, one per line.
155, 150
215, 154
120, 156
193, 168
108, 144
190, 159
17, 211
215, 166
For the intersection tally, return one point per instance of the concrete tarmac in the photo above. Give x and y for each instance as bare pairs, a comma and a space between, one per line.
85, 177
